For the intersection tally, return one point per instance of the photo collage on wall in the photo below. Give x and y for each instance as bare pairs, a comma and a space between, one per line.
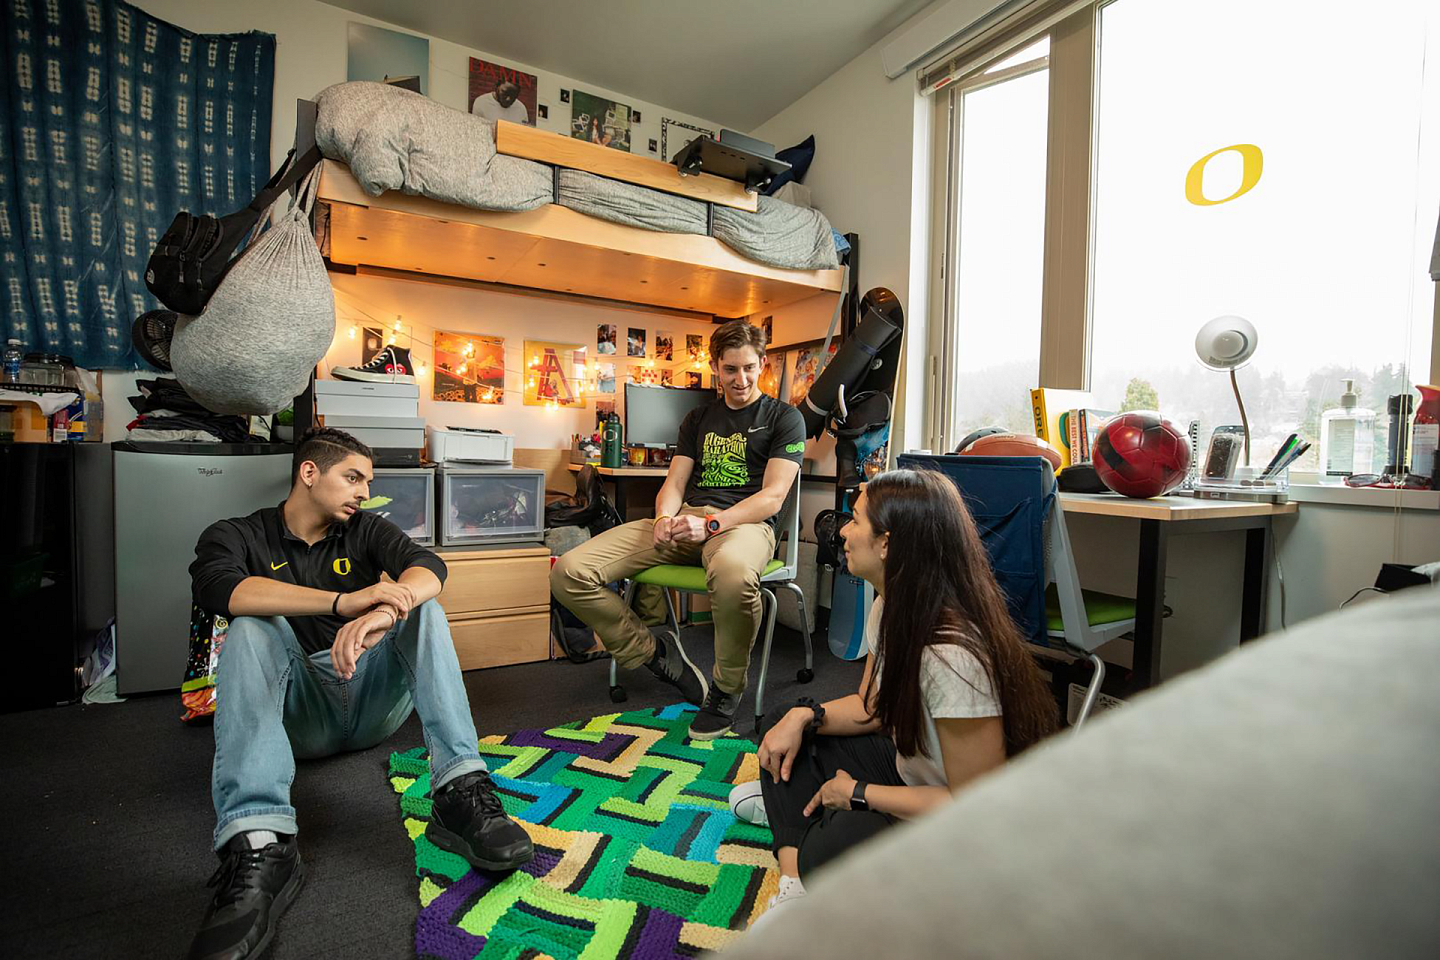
654, 357
498, 91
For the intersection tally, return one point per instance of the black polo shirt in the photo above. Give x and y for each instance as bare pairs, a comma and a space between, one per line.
351, 556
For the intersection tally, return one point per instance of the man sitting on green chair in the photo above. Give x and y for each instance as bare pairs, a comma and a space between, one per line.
748, 449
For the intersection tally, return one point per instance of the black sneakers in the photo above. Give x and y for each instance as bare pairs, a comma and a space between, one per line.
390, 365
671, 665
467, 820
716, 716
253, 888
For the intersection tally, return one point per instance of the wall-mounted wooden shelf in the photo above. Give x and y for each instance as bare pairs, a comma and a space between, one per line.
557, 249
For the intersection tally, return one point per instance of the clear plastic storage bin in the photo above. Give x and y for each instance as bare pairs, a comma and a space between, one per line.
405, 497
481, 505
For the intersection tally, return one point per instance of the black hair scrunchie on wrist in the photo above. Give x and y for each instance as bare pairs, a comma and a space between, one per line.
814, 706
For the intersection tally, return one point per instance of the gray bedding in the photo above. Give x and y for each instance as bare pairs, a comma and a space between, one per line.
394, 139
628, 204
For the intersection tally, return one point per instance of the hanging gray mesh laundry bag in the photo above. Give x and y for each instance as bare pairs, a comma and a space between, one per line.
252, 348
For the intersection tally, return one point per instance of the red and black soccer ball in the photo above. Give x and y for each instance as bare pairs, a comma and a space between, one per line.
1141, 454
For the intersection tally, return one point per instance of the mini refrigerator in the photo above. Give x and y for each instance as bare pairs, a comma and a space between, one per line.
480, 505
166, 494
406, 497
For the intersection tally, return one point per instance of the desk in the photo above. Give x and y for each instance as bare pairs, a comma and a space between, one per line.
621, 476
1164, 517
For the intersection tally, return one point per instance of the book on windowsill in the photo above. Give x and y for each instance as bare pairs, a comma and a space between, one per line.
1049, 406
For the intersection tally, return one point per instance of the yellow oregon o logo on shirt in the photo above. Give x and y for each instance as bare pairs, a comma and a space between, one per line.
1252, 163
342, 566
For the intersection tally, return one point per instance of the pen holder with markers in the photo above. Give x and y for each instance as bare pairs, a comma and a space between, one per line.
1247, 483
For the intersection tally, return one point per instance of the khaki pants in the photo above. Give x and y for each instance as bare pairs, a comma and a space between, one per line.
733, 561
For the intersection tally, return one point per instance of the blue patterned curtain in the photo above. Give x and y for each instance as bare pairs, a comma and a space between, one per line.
111, 122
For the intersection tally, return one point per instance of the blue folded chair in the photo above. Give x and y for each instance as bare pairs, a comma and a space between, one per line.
1016, 507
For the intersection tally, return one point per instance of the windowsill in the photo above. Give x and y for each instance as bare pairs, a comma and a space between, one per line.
1377, 497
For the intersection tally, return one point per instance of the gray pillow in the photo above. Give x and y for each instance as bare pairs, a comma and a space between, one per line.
395, 139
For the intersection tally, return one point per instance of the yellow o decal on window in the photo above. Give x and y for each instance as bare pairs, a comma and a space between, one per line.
1253, 161
342, 566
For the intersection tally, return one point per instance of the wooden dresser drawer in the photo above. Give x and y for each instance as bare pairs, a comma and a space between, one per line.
488, 585
498, 641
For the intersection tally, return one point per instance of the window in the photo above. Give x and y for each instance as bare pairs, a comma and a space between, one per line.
998, 238
1248, 157
1326, 252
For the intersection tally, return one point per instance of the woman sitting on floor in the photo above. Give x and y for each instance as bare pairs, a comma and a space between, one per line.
949, 690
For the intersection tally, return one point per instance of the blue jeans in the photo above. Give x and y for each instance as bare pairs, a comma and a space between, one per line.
275, 703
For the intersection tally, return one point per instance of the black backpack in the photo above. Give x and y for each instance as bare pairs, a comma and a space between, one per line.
191, 259
589, 508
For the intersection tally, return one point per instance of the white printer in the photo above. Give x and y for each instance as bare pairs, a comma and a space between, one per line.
469, 445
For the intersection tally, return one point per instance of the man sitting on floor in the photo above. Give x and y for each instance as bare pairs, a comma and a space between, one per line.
748, 449
323, 656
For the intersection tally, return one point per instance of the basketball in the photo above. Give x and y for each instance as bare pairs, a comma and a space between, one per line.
1141, 454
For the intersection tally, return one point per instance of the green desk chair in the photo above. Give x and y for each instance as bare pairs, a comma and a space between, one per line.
779, 574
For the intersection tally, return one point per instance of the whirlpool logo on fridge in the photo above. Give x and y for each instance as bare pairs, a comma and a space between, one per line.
209, 471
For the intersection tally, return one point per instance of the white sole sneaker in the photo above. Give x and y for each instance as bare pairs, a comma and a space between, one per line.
747, 802
791, 889
350, 373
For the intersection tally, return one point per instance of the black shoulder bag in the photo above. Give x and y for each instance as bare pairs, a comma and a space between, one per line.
191, 259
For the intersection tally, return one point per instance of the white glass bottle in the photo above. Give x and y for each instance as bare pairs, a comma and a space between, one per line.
1347, 438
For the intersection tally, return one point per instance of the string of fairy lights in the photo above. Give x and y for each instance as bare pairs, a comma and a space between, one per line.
584, 383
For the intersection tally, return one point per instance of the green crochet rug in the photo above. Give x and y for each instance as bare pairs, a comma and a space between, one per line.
636, 851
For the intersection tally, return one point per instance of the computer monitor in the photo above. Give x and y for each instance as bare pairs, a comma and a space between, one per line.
653, 414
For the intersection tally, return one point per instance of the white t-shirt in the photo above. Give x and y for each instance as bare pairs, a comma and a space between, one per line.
953, 683
488, 107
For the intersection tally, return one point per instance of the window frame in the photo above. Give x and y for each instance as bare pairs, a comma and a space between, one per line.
1066, 293
942, 389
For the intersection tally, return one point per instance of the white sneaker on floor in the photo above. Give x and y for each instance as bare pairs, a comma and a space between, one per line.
791, 889
747, 803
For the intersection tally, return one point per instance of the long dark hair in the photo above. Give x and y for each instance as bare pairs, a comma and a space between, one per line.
939, 589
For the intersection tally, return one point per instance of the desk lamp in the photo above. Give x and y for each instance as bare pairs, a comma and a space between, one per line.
1228, 343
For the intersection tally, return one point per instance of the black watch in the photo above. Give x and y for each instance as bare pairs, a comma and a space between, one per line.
815, 708
857, 797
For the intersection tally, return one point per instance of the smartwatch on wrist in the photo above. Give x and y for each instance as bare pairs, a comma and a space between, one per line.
857, 797
712, 525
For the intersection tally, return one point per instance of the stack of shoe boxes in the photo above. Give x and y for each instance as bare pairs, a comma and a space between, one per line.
383, 416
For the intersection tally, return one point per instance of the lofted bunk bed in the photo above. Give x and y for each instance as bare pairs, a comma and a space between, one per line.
412, 187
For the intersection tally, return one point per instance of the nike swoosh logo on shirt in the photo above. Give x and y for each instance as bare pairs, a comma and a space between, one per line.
753, 429
277, 566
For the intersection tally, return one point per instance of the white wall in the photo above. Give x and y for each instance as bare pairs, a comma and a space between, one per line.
871, 150
311, 53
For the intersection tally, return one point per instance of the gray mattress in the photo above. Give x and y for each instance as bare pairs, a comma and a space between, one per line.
393, 139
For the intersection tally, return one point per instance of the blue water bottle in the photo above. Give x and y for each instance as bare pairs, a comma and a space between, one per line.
14, 356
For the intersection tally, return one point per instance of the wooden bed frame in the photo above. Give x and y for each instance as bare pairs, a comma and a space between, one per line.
554, 248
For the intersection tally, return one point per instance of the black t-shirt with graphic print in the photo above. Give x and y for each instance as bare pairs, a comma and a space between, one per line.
731, 448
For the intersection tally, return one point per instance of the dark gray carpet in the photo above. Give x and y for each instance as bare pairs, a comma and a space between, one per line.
107, 816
